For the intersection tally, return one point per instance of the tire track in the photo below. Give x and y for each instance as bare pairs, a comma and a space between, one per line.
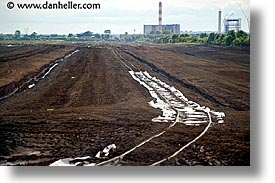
185, 146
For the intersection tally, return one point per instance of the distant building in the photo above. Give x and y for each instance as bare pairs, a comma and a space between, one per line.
232, 24
148, 29
173, 28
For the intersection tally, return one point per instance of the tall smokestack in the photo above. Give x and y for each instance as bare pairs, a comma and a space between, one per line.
220, 22
160, 17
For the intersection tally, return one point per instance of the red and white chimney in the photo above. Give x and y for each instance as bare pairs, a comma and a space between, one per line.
160, 17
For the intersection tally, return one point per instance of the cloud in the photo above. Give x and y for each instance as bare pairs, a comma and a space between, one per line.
119, 15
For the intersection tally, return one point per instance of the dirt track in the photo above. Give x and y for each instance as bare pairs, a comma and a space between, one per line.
90, 101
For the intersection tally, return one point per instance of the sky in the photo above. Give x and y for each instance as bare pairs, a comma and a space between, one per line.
121, 16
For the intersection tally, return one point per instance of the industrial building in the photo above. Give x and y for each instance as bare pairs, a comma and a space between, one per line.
172, 28
229, 23
232, 24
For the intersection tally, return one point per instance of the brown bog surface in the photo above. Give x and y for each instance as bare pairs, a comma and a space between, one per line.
90, 100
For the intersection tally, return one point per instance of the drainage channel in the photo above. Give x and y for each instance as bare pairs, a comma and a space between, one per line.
41, 75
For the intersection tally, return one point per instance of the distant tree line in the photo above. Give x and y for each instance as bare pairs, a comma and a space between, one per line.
232, 38
86, 36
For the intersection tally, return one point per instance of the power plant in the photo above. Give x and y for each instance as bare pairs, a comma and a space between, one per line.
172, 28
228, 23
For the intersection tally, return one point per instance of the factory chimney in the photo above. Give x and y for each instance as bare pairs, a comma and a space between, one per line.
220, 22
160, 17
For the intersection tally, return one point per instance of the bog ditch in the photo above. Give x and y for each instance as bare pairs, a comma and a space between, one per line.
30, 80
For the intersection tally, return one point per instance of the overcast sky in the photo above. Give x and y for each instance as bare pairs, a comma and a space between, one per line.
121, 16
